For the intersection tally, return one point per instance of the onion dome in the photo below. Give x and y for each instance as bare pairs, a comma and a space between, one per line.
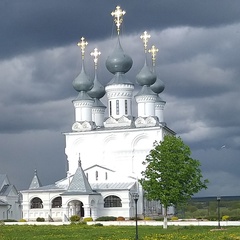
82, 82
145, 76
118, 61
158, 86
98, 90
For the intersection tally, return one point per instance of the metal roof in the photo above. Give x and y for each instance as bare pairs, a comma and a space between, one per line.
35, 181
112, 186
79, 184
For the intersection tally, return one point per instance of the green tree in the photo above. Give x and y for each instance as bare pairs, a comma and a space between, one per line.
171, 175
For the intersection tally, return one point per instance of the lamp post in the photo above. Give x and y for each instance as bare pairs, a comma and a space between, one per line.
135, 198
218, 209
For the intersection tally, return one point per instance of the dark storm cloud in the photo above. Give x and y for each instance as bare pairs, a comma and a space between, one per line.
30, 25
198, 61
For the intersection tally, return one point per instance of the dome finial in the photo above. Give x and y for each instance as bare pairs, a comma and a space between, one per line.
118, 17
145, 37
153, 50
82, 44
95, 55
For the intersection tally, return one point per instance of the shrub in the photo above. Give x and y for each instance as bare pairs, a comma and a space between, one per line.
74, 218
2, 223
225, 218
147, 218
211, 218
22, 220
40, 219
174, 218
234, 218
106, 218
134, 218
88, 219
120, 218
10, 220
98, 225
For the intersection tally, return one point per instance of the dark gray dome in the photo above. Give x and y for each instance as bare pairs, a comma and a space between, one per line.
98, 90
118, 61
158, 86
145, 76
82, 82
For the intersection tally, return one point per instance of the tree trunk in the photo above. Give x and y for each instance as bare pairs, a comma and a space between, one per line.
165, 217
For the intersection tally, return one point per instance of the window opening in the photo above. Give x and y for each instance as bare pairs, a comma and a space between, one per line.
112, 201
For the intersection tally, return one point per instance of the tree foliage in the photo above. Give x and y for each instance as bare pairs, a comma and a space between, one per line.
171, 175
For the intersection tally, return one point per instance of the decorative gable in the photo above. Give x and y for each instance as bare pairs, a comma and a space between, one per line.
83, 126
121, 122
146, 122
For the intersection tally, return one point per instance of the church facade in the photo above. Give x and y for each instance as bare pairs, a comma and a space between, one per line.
107, 144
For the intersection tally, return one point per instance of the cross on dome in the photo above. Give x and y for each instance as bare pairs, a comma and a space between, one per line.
95, 55
153, 50
145, 38
118, 14
82, 44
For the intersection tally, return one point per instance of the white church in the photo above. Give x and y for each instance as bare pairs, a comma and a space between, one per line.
107, 144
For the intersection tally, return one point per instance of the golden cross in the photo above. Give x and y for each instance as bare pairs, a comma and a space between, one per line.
82, 45
145, 38
153, 50
95, 55
118, 14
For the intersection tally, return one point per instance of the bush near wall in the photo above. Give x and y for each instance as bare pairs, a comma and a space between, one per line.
74, 218
40, 219
22, 220
106, 218
234, 218
148, 219
225, 218
120, 218
174, 218
88, 219
10, 220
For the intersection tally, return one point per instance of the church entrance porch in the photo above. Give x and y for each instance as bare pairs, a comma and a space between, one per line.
75, 207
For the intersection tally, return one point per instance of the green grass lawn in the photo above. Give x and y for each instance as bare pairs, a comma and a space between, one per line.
85, 232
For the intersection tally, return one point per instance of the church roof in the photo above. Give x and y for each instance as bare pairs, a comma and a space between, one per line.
35, 181
3, 177
96, 165
5, 190
112, 186
79, 184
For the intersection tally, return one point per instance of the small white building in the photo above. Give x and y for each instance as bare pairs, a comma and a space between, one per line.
110, 147
10, 206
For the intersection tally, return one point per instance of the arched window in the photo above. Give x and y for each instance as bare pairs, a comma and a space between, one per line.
112, 201
57, 202
36, 203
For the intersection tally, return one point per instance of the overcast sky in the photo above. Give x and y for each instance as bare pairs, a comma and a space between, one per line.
198, 60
